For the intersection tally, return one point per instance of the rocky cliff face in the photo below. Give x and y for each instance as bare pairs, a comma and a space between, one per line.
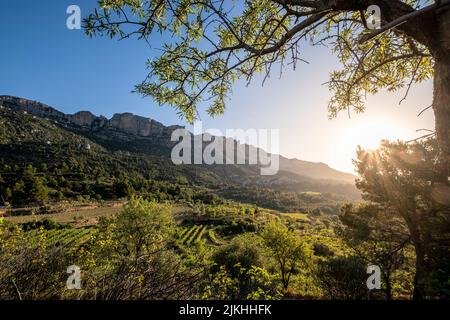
137, 125
126, 122
32, 107
83, 118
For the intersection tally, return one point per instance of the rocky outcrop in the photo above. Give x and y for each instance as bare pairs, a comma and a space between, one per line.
137, 125
83, 118
32, 107
126, 122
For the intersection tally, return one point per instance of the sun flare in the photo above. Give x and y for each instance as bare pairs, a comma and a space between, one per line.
368, 135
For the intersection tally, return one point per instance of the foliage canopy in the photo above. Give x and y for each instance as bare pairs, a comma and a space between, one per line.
210, 44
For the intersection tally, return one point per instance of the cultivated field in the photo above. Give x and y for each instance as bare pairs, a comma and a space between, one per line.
193, 234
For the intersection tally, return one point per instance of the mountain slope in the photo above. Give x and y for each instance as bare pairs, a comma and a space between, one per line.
314, 170
137, 147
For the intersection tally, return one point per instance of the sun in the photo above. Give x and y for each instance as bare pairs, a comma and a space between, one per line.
371, 134
368, 135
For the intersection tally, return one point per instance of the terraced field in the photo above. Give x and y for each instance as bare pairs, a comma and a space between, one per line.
195, 233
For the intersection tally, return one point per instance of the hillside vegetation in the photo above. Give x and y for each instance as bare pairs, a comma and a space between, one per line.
44, 160
111, 202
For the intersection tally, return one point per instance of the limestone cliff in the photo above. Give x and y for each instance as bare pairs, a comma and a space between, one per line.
126, 122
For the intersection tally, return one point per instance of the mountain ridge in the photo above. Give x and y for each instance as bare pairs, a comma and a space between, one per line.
123, 129
126, 121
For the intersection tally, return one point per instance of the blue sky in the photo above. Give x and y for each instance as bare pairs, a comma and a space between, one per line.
42, 60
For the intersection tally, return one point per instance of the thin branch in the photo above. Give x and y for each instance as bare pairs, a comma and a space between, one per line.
411, 81
420, 113
422, 137
17, 289
418, 130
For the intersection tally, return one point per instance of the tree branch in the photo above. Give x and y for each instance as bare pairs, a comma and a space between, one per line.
405, 19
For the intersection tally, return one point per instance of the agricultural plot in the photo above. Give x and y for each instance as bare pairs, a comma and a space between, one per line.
213, 238
303, 217
62, 237
195, 233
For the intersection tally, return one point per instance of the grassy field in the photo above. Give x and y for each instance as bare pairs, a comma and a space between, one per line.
83, 217
297, 216
88, 216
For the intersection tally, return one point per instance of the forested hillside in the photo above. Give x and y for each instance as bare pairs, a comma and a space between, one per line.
48, 156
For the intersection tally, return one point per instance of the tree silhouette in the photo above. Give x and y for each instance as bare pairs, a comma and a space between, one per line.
401, 179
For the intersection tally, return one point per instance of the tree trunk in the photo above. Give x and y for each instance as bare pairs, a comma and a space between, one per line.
441, 102
419, 292
419, 248
388, 290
